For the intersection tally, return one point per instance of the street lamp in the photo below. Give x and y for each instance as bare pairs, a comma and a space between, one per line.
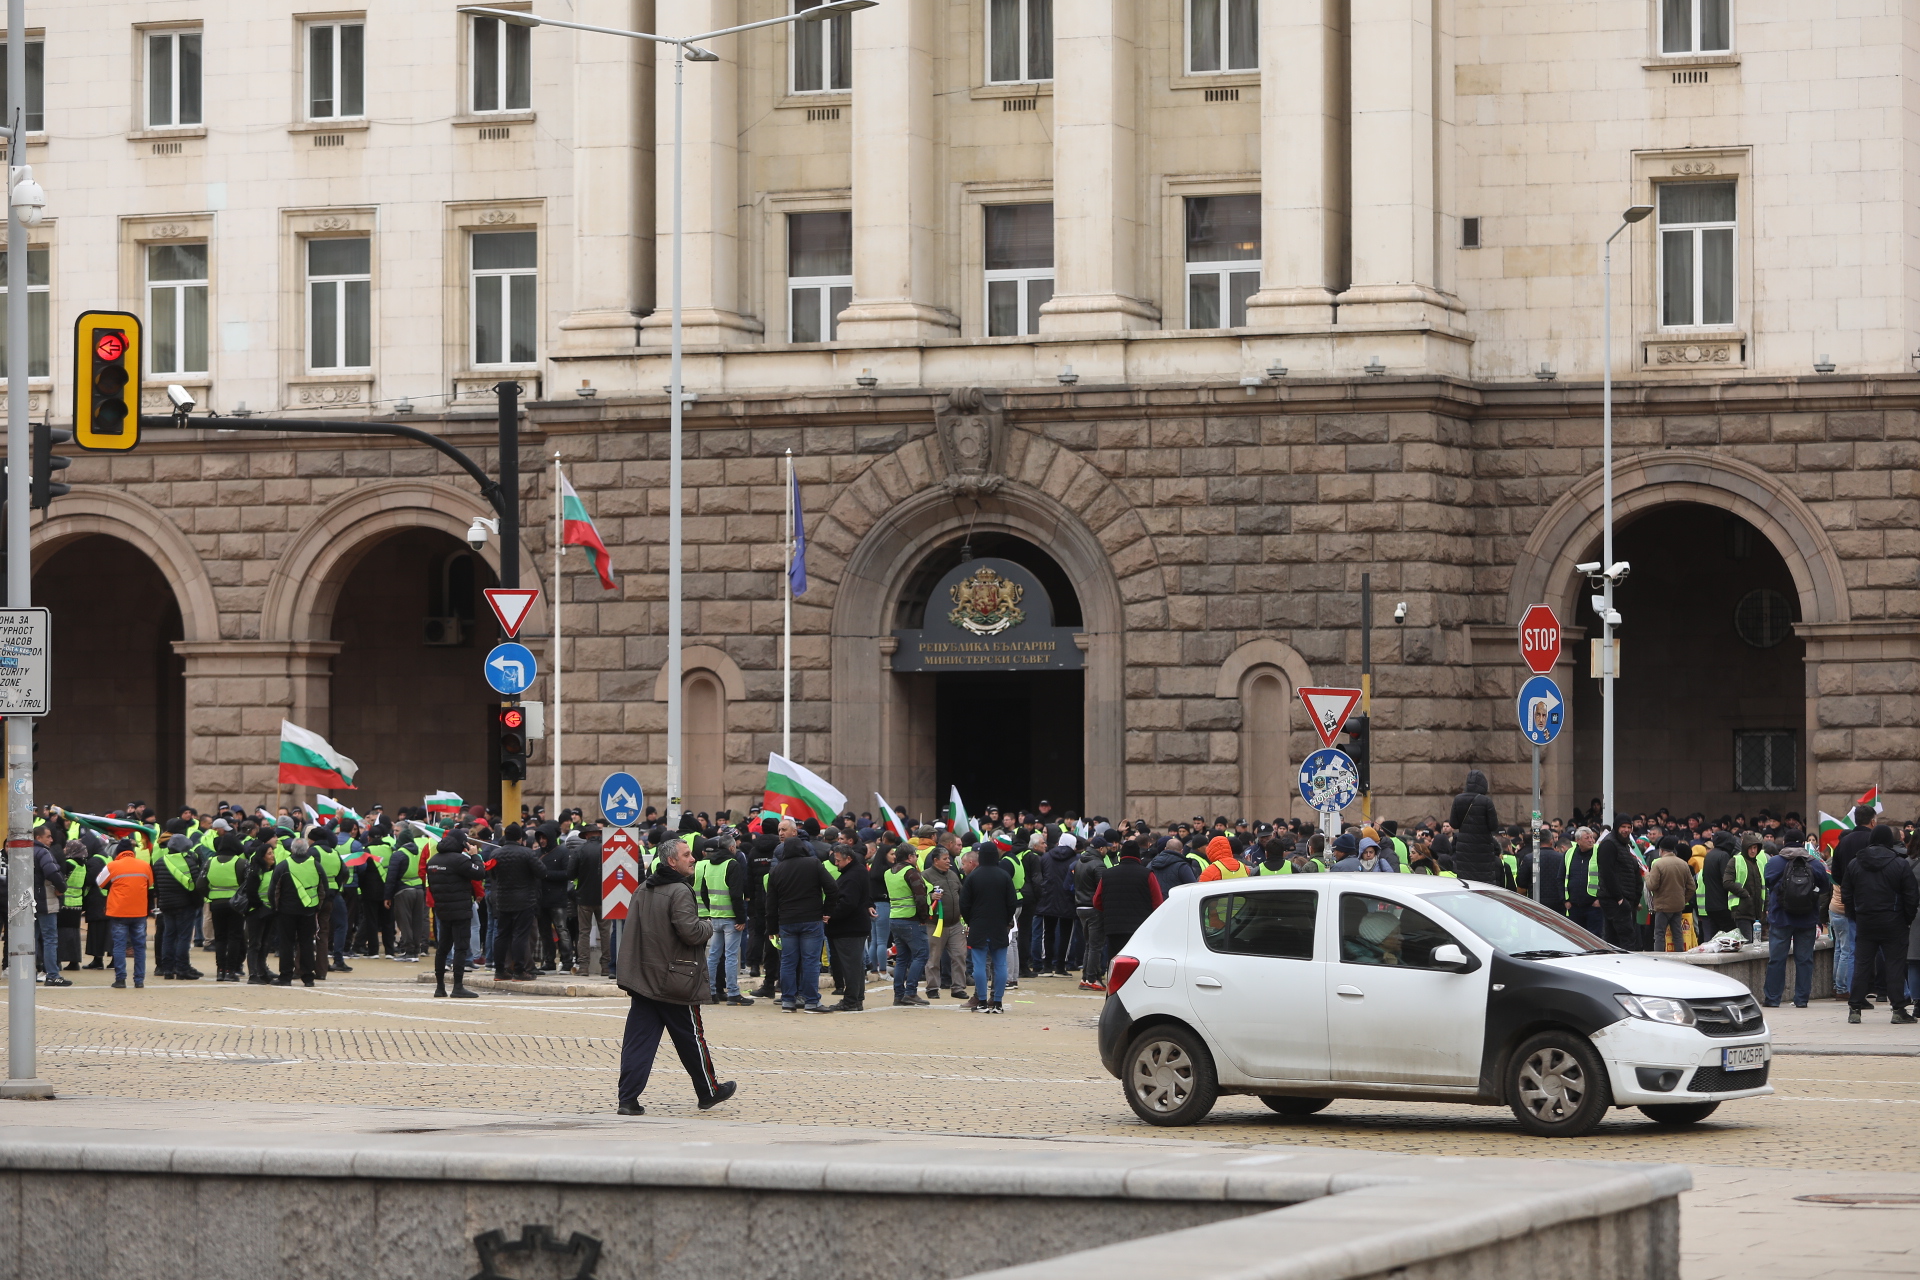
685, 49
1609, 579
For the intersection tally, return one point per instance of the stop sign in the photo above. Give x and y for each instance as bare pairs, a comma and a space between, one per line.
1540, 639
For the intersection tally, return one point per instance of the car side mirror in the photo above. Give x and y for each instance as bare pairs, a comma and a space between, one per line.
1448, 955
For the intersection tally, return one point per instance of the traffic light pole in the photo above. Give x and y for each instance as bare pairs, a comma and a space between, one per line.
509, 393
1366, 694
23, 1080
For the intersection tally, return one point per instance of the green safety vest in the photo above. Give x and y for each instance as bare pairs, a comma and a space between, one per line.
223, 877
1232, 875
1512, 864
206, 839
1738, 897
412, 859
329, 860
305, 875
178, 867
900, 895
1019, 870
76, 885
378, 853
421, 853
710, 892
1593, 874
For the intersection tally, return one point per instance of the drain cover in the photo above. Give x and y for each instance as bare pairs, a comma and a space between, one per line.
1865, 1197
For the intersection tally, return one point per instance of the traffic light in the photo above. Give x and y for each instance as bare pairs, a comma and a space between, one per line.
45, 463
1360, 747
106, 380
513, 743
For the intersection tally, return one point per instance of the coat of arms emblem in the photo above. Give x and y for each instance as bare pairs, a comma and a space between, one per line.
986, 603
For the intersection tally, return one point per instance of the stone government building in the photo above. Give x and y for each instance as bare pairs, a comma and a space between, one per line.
1190, 313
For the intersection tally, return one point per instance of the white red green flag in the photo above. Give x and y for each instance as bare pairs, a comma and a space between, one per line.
794, 791
331, 808
576, 530
1832, 828
307, 761
445, 804
1871, 800
892, 819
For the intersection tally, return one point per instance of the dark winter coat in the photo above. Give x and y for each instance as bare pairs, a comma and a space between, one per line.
450, 879
1713, 873
1056, 882
557, 875
1086, 876
1171, 870
1879, 893
1620, 871
799, 887
989, 904
1475, 856
1128, 894
517, 877
853, 894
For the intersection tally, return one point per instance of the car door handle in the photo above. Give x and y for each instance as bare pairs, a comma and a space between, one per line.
1355, 992
1213, 983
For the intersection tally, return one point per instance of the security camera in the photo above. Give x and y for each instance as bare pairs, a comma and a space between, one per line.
1599, 603
182, 401
1400, 613
1613, 617
477, 533
1617, 571
1590, 567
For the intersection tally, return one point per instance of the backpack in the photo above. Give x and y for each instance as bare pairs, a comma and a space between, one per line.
1794, 890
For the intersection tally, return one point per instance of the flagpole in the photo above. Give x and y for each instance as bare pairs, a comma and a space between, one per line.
786, 602
559, 549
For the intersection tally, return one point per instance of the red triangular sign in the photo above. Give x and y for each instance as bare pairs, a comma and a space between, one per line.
1329, 709
511, 605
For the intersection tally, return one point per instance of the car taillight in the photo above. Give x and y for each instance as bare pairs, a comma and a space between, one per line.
1119, 971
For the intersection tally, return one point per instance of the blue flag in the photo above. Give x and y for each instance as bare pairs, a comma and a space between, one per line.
797, 567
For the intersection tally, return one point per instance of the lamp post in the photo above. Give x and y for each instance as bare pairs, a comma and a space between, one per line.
685, 49
1609, 579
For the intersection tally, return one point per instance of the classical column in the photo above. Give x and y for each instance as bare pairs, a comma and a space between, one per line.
1303, 162
896, 191
711, 303
612, 180
1097, 233
237, 692
1395, 274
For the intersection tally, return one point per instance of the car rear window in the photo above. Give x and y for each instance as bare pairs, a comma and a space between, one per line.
1276, 923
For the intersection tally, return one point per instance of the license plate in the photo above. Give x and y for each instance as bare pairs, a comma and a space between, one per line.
1745, 1058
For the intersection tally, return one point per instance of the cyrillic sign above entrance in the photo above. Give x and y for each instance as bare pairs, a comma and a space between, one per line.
988, 615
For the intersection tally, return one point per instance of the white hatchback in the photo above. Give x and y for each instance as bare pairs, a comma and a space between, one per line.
1306, 988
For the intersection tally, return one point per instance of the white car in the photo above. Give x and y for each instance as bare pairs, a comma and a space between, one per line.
1308, 988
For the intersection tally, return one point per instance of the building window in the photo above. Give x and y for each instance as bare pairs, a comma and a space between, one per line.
1696, 254
177, 308
502, 66
822, 52
1764, 617
1019, 261
505, 270
1223, 259
1223, 35
38, 362
1019, 41
336, 70
819, 274
1763, 761
173, 78
1696, 26
36, 85
339, 305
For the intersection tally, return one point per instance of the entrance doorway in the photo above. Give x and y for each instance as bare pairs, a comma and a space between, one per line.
1011, 739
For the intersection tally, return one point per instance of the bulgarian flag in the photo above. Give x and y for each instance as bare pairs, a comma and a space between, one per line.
111, 825
307, 761
1872, 798
893, 819
445, 802
1831, 829
331, 808
793, 791
576, 530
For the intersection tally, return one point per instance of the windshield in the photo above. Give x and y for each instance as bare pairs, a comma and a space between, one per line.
1518, 926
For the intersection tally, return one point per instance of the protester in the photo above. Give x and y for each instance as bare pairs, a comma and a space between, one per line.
662, 968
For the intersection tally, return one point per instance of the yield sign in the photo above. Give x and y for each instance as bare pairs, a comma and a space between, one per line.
511, 605
1329, 709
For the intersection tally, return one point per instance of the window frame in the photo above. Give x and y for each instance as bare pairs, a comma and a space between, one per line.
337, 26
1693, 49
174, 35
1226, 52
1770, 738
829, 318
1221, 269
339, 282
36, 81
1438, 922
503, 60
474, 276
1022, 278
1022, 43
836, 43
178, 288
1208, 932
44, 323
1697, 232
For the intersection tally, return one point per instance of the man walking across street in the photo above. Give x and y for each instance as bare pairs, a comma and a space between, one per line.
1797, 882
662, 968
1881, 899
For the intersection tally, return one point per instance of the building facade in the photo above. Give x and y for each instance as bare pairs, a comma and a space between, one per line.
1194, 311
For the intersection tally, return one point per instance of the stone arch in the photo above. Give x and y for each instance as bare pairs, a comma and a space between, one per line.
307, 580
1265, 676
1544, 569
89, 510
706, 657
884, 523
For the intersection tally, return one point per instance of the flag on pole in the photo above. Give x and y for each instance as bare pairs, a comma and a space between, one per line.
892, 818
1872, 799
110, 825
313, 816
1832, 828
797, 567
576, 530
331, 808
307, 761
957, 818
448, 803
794, 791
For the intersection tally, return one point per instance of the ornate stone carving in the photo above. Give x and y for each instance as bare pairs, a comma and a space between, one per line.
1693, 168
171, 231
1694, 353
973, 440
325, 393
495, 217
333, 222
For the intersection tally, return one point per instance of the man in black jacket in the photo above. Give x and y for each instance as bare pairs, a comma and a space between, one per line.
989, 905
517, 877
294, 893
1620, 881
849, 926
1881, 898
754, 949
1713, 884
1475, 856
589, 955
1126, 895
556, 864
452, 875
798, 892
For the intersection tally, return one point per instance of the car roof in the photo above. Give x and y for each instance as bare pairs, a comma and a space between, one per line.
1404, 882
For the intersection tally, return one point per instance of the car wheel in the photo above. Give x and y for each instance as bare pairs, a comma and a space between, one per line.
1557, 1085
1679, 1113
1295, 1106
1169, 1077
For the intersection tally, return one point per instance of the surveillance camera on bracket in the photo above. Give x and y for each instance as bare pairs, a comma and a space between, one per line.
1618, 571
1400, 613
1591, 566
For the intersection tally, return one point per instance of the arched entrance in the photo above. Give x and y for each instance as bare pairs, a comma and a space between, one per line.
117, 730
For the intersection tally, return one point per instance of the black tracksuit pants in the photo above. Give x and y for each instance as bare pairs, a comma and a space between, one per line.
646, 1019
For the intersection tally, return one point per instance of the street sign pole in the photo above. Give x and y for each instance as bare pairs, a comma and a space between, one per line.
1539, 863
1366, 682
509, 575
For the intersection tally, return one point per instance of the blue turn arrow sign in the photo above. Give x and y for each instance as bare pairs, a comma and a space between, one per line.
511, 668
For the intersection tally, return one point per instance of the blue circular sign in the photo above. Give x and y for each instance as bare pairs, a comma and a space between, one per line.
1541, 710
510, 668
621, 799
1329, 780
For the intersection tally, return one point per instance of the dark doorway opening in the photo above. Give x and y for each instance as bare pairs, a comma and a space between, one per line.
1711, 698
1011, 739
117, 731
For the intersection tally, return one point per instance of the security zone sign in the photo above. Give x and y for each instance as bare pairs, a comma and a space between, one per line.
619, 872
25, 662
